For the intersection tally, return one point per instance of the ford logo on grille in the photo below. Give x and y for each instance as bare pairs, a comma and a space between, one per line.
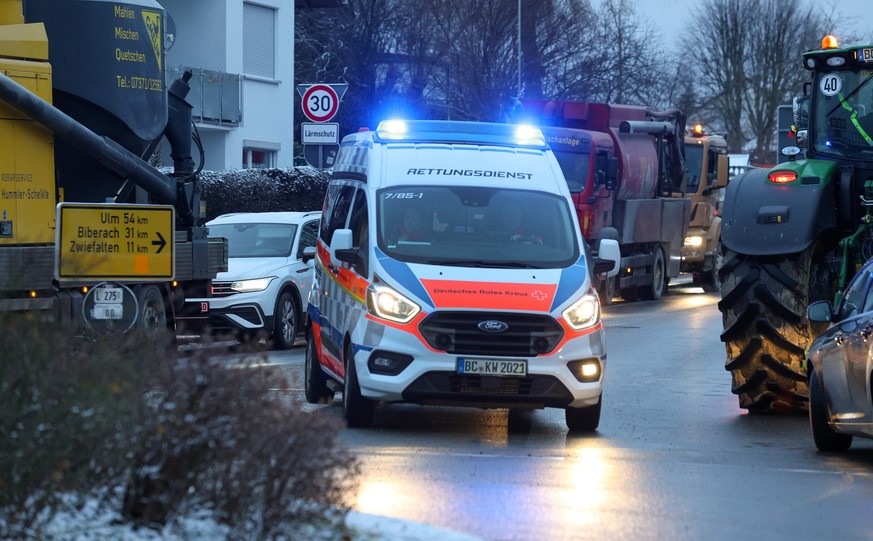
492, 325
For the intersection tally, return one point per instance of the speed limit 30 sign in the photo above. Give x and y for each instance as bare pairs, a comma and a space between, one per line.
320, 102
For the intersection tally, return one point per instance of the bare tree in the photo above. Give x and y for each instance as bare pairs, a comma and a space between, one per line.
781, 35
635, 64
722, 46
749, 64
345, 45
459, 59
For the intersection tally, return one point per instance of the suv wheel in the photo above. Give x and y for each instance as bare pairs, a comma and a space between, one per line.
285, 321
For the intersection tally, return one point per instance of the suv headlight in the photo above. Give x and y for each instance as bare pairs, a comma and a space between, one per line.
248, 286
583, 313
384, 302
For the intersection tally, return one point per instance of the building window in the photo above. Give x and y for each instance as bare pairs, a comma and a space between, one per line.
259, 40
258, 158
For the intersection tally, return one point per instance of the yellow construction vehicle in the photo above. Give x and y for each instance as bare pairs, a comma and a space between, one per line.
706, 161
88, 229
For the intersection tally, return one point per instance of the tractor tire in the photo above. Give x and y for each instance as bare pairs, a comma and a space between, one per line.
766, 332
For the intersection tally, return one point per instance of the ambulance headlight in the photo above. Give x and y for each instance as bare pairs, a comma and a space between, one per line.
384, 302
583, 313
695, 241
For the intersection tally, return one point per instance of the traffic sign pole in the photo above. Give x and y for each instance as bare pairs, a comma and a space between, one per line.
320, 102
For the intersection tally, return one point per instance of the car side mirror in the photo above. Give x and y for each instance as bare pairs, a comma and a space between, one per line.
308, 254
820, 311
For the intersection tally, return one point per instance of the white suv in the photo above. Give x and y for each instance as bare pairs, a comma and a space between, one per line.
270, 258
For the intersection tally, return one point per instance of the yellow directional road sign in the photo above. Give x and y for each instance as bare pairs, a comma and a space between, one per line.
114, 242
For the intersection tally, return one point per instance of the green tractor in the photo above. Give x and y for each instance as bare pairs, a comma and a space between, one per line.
798, 232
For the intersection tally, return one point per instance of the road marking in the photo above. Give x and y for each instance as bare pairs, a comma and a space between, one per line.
824, 472
462, 455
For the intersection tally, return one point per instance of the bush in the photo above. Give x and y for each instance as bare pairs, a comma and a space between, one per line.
68, 411
263, 190
87, 415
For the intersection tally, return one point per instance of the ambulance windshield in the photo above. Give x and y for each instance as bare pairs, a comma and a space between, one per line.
476, 227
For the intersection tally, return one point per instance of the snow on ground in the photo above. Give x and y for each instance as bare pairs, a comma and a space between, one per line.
97, 523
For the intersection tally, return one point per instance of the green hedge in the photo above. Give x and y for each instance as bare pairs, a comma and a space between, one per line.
263, 190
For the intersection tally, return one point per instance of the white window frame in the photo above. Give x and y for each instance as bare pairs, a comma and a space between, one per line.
270, 150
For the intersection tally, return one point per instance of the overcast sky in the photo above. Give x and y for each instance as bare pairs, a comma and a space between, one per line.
672, 17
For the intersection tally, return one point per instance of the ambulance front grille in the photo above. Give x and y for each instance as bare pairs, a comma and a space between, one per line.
526, 335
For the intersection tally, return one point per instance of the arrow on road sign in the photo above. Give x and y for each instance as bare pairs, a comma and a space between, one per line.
160, 242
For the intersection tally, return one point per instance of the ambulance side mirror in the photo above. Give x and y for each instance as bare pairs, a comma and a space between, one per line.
608, 257
341, 247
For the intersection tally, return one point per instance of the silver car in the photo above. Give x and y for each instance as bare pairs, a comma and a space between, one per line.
839, 364
265, 288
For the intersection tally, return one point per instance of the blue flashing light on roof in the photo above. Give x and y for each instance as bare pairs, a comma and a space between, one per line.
447, 131
528, 135
392, 129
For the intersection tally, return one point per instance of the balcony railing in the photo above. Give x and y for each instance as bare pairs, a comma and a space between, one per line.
214, 96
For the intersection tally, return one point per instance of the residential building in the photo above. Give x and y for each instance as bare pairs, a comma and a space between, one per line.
241, 55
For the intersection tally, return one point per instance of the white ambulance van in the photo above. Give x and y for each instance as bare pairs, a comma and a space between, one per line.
451, 270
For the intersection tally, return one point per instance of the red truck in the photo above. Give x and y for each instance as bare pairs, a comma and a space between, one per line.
625, 168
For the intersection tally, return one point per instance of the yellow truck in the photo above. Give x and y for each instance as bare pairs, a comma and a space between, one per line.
706, 161
88, 229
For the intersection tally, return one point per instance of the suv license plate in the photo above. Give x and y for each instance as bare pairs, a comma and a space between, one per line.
492, 367
865, 54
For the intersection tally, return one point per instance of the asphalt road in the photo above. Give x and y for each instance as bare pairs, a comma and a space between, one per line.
674, 458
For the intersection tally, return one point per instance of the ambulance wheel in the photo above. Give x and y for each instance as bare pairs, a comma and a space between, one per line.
583, 419
826, 439
152, 314
358, 411
314, 385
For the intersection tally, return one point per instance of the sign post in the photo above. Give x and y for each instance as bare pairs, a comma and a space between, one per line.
320, 138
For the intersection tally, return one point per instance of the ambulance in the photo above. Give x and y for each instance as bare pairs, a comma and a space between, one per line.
451, 270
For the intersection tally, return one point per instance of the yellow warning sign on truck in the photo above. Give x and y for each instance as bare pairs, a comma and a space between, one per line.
114, 242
